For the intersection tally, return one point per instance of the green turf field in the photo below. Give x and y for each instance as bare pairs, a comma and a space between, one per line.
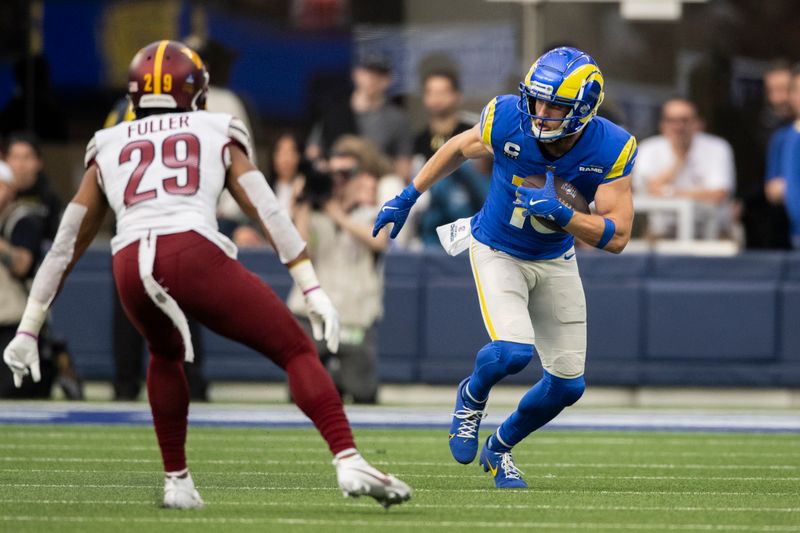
88, 478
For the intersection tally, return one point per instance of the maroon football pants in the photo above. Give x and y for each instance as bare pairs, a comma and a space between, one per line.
228, 299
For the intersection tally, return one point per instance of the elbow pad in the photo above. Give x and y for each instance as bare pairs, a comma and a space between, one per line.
284, 234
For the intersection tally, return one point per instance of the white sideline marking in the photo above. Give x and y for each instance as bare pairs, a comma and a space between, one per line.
266, 473
665, 466
482, 491
321, 449
272, 434
402, 523
477, 505
287, 415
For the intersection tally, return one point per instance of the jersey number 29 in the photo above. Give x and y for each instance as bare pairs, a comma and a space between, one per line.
169, 157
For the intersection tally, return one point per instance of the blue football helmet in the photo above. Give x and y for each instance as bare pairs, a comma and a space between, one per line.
563, 76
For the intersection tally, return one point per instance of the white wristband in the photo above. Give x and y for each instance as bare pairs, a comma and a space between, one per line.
304, 275
32, 318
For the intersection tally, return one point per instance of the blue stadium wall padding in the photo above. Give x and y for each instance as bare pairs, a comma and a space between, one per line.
789, 349
615, 314
793, 267
652, 320
747, 266
711, 320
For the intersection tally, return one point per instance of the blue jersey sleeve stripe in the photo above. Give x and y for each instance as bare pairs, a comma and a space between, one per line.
487, 120
626, 156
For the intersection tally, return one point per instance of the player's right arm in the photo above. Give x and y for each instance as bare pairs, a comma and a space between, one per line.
446, 160
469, 144
249, 188
79, 225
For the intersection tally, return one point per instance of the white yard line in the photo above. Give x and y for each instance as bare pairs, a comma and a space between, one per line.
438, 490
665, 466
474, 505
321, 449
266, 435
404, 523
466, 476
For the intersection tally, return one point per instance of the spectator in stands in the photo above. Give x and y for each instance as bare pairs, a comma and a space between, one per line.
29, 214
441, 96
369, 114
219, 60
20, 245
463, 192
685, 162
348, 260
765, 223
287, 177
778, 111
783, 164
24, 156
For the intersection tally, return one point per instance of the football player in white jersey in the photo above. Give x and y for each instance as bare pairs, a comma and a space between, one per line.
162, 175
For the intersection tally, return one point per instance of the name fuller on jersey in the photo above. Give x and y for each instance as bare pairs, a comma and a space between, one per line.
156, 125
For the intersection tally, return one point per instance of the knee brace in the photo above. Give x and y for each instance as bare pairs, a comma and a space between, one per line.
510, 357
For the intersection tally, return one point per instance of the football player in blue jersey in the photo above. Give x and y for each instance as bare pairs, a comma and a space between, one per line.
525, 271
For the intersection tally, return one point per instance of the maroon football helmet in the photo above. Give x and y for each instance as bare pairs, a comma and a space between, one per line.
167, 75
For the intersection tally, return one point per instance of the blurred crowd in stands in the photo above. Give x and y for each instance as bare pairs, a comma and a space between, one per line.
361, 151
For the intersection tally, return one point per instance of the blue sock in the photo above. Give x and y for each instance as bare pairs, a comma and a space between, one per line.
495, 361
496, 445
539, 406
469, 400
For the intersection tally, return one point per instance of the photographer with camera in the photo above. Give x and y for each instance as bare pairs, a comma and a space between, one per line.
23, 230
336, 221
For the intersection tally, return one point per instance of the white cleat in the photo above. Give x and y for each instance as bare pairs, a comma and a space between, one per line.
359, 478
179, 492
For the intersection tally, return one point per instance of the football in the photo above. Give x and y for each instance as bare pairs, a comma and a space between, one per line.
567, 193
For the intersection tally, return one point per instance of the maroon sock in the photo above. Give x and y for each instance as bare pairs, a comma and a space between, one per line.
315, 394
168, 394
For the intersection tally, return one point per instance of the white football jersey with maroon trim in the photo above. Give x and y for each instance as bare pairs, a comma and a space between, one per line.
163, 174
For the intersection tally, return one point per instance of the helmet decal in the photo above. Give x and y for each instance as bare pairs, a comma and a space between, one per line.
563, 76
168, 75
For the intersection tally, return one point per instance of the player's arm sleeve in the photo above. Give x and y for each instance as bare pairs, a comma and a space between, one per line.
487, 122
237, 132
276, 221
625, 161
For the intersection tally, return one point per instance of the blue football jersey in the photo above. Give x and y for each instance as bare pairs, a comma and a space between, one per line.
784, 161
604, 152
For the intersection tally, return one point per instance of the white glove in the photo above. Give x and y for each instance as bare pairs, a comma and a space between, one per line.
324, 319
22, 357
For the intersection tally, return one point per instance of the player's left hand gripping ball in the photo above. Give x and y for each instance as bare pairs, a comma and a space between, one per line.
544, 202
22, 357
324, 318
396, 211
